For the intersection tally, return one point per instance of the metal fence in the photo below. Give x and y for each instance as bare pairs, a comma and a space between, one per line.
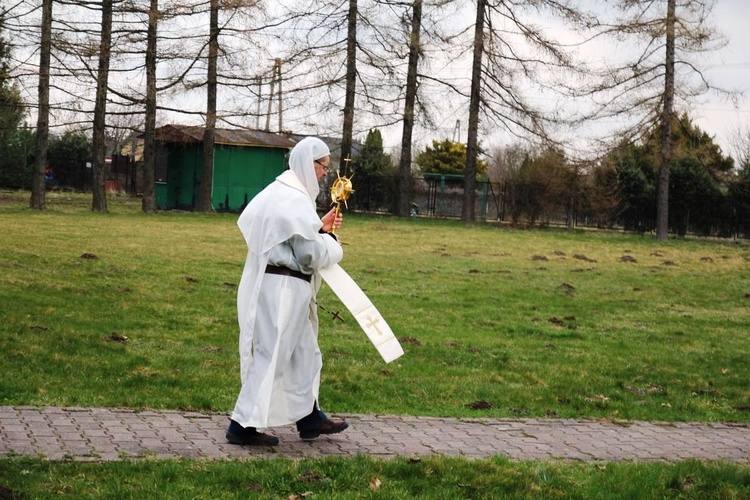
436, 195
439, 195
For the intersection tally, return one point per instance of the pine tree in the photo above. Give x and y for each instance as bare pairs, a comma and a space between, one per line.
11, 105
13, 168
447, 157
374, 172
667, 39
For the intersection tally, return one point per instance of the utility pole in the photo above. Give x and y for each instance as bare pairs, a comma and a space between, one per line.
257, 112
281, 106
270, 102
275, 77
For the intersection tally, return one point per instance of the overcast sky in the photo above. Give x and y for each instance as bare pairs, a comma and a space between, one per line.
729, 68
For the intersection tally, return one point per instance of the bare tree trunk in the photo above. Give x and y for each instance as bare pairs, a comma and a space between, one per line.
351, 83
209, 135
662, 201
470, 173
148, 204
99, 203
404, 190
572, 194
38, 195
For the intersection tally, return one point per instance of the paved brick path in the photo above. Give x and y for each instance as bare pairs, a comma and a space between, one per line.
94, 434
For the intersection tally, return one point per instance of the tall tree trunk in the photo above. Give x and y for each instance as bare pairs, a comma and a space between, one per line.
99, 146
470, 173
209, 135
351, 84
38, 195
148, 204
662, 200
404, 190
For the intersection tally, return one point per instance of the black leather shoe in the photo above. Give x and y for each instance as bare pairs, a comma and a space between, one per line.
252, 439
330, 426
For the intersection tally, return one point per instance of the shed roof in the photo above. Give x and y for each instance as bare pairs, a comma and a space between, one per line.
233, 137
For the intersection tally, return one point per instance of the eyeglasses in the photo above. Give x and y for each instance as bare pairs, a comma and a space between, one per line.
321, 164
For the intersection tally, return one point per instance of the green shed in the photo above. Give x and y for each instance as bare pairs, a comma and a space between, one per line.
245, 161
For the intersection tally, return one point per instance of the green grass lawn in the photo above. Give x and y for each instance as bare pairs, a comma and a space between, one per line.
531, 323
366, 477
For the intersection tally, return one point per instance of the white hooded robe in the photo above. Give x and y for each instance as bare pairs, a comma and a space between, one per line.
280, 360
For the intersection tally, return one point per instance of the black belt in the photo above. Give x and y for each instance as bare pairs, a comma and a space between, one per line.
285, 271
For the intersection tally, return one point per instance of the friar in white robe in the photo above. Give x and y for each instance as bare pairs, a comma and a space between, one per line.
280, 360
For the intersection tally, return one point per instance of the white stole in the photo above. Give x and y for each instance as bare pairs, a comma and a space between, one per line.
368, 317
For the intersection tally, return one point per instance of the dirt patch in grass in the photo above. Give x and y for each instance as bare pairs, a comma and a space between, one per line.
480, 404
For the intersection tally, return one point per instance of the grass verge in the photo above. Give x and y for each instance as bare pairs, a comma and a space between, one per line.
365, 477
